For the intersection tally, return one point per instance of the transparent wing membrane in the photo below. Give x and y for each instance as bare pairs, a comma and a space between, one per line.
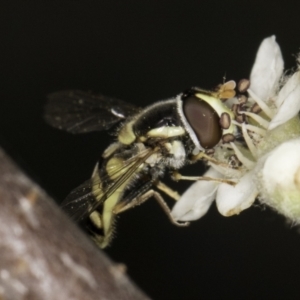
80, 112
87, 197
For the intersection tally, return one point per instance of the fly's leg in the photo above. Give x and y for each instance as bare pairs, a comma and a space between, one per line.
202, 155
132, 199
168, 191
121, 207
157, 196
177, 176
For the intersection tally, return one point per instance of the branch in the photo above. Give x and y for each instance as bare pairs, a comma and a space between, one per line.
43, 255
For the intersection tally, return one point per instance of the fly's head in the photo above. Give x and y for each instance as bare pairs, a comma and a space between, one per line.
206, 116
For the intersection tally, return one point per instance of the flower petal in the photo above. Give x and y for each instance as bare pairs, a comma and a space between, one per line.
288, 101
267, 69
231, 200
281, 179
196, 200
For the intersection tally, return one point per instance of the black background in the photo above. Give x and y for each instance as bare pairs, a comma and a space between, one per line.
143, 51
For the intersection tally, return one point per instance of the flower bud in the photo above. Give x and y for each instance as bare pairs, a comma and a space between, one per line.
280, 184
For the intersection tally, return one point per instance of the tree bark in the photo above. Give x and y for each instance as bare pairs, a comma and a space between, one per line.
43, 255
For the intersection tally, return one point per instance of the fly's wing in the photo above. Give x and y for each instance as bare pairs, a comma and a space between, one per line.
86, 198
80, 112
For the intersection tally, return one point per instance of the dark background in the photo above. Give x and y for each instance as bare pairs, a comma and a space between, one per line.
143, 51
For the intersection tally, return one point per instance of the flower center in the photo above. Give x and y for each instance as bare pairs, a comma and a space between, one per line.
258, 140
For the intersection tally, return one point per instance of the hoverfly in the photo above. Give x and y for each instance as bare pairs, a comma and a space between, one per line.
162, 137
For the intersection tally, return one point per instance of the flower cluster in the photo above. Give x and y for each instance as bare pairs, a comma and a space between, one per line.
265, 161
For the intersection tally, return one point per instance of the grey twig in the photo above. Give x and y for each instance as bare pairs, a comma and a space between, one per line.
43, 255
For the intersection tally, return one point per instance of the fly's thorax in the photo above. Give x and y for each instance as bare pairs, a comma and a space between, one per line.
177, 154
126, 135
206, 118
172, 154
158, 121
166, 132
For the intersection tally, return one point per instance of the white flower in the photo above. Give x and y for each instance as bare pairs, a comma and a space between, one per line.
280, 179
193, 205
267, 69
270, 160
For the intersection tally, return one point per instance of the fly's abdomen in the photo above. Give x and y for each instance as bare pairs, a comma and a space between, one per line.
108, 189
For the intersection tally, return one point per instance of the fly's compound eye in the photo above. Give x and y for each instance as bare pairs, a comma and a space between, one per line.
204, 121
